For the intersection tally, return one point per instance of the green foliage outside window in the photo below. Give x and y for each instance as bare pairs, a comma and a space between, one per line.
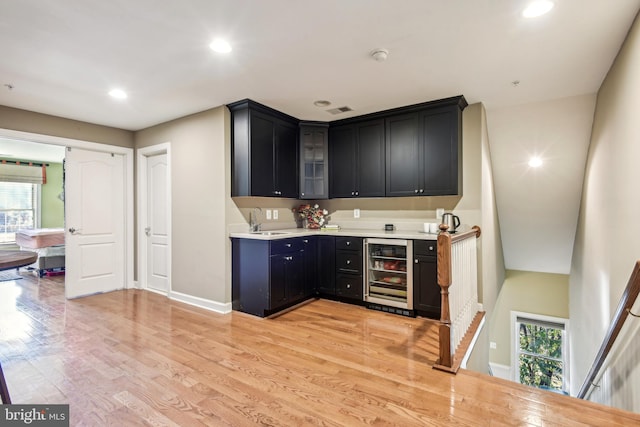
540, 355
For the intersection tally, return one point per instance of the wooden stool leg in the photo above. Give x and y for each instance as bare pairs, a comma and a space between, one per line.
4, 391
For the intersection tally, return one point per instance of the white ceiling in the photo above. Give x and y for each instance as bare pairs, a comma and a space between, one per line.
62, 57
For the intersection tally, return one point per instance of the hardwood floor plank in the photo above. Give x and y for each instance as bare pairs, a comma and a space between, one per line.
137, 358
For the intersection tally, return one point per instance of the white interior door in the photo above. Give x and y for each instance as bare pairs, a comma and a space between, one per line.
95, 218
157, 228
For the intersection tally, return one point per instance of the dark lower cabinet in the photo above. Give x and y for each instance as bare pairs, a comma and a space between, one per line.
349, 286
310, 247
287, 278
348, 271
426, 292
326, 265
267, 276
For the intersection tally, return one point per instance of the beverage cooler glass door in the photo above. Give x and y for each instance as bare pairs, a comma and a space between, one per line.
389, 272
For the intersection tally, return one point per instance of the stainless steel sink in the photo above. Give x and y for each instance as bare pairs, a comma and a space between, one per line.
270, 233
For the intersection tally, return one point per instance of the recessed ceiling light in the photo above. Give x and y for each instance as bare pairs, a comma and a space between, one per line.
537, 8
220, 46
118, 94
321, 103
535, 162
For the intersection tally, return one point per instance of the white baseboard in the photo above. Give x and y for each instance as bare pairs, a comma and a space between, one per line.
218, 307
501, 371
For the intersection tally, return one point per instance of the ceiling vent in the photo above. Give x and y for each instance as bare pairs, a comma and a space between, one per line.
340, 110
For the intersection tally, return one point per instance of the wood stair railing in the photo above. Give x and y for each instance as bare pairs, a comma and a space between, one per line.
623, 311
449, 358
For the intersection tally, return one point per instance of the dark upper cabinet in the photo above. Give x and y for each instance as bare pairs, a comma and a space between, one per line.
403, 161
424, 151
264, 151
314, 161
441, 156
356, 156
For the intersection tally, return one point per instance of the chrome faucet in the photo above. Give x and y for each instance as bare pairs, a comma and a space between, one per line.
254, 225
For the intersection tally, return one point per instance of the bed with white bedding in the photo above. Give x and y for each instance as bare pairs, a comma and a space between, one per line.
48, 243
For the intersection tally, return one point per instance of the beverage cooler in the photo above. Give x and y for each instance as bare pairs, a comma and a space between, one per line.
389, 275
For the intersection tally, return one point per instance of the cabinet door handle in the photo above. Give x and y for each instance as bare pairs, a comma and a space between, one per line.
348, 261
356, 193
430, 248
306, 241
422, 190
348, 243
416, 191
415, 260
353, 193
288, 245
303, 194
348, 285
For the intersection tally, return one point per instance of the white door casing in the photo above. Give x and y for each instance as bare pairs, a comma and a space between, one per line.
154, 213
95, 222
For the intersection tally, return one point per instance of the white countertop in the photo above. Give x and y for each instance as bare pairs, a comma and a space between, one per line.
301, 232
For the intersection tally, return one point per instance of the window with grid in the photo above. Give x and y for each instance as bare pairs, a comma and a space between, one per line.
541, 352
18, 209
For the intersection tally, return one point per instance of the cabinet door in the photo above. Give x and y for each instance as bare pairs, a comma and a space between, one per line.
342, 157
278, 279
370, 164
314, 177
287, 278
262, 155
402, 156
286, 160
326, 265
310, 265
441, 150
349, 286
294, 276
426, 292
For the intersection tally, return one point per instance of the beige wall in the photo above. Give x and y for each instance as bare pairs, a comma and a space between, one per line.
199, 194
607, 245
491, 262
28, 121
529, 292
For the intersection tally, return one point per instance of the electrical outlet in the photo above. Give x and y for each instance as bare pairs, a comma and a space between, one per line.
356, 213
268, 213
275, 214
492, 345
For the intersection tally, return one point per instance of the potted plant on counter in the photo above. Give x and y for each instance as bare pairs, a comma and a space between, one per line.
312, 216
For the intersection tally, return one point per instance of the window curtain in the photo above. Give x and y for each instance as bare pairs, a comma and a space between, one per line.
26, 173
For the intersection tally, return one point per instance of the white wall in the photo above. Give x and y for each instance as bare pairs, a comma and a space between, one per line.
538, 207
607, 244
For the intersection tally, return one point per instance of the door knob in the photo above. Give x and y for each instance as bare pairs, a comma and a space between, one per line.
147, 231
73, 230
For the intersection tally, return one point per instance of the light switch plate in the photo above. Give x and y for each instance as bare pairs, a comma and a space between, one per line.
268, 213
492, 345
275, 214
356, 213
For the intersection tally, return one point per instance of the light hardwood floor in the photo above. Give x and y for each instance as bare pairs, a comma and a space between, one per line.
137, 358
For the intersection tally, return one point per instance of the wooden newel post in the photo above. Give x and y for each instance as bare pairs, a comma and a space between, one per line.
444, 281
